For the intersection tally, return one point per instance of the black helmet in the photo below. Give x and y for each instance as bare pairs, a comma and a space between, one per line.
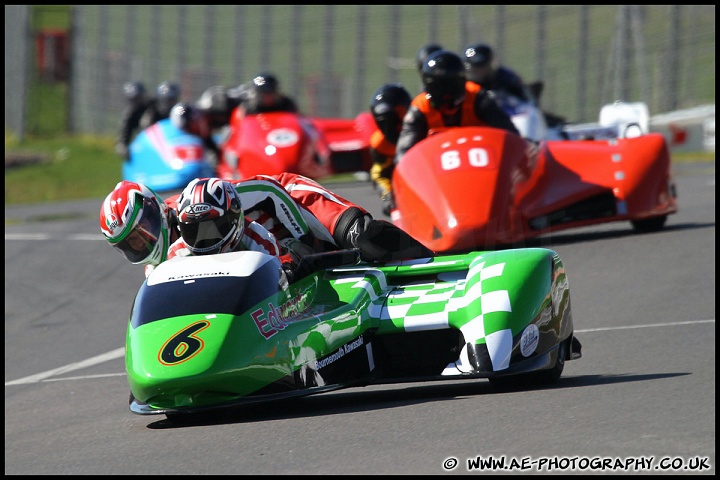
215, 104
239, 94
388, 106
265, 83
168, 94
478, 55
134, 90
214, 100
443, 76
168, 90
181, 115
425, 52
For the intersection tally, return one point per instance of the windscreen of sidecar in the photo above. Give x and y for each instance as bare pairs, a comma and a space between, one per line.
204, 294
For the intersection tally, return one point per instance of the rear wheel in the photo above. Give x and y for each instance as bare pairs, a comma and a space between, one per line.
649, 224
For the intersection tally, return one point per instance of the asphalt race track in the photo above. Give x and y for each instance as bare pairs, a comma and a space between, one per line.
641, 400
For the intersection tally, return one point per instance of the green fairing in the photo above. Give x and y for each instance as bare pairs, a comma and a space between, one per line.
276, 342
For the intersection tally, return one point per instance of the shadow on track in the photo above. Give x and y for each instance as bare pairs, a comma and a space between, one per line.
355, 400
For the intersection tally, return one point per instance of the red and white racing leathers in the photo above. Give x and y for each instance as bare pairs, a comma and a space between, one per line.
305, 218
289, 204
301, 204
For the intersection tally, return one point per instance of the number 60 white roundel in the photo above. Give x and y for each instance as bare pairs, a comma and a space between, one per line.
477, 157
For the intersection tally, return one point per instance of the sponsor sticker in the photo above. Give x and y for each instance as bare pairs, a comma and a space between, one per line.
282, 137
337, 355
529, 340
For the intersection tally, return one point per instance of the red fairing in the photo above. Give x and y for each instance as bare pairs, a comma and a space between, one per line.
454, 190
268, 143
636, 171
470, 188
276, 142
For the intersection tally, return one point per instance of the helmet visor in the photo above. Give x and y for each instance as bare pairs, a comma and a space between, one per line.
209, 236
389, 123
448, 92
143, 237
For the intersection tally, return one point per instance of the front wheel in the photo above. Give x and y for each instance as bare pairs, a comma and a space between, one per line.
649, 224
533, 379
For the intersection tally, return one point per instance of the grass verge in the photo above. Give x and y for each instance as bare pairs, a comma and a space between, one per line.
57, 169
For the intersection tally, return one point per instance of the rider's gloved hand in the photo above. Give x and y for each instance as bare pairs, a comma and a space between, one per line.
296, 249
288, 265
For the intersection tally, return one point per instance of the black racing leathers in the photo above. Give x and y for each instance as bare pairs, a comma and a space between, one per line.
479, 108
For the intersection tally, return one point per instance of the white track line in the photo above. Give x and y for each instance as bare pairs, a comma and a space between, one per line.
105, 357
671, 324
46, 236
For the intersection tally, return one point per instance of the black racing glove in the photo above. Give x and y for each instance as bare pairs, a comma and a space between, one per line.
287, 262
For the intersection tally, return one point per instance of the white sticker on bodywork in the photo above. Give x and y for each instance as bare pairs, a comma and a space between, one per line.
529, 340
282, 137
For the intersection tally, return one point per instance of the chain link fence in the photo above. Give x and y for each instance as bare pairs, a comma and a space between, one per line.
17, 38
331, 58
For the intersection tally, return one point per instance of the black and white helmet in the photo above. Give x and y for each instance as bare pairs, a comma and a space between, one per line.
214, 100
210, 216
134, 91
181, 115
168, 94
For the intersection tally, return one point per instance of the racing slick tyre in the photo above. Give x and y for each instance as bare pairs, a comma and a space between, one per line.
533, 379
649, 224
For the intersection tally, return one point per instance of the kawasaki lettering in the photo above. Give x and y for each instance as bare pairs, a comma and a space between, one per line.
195, 275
